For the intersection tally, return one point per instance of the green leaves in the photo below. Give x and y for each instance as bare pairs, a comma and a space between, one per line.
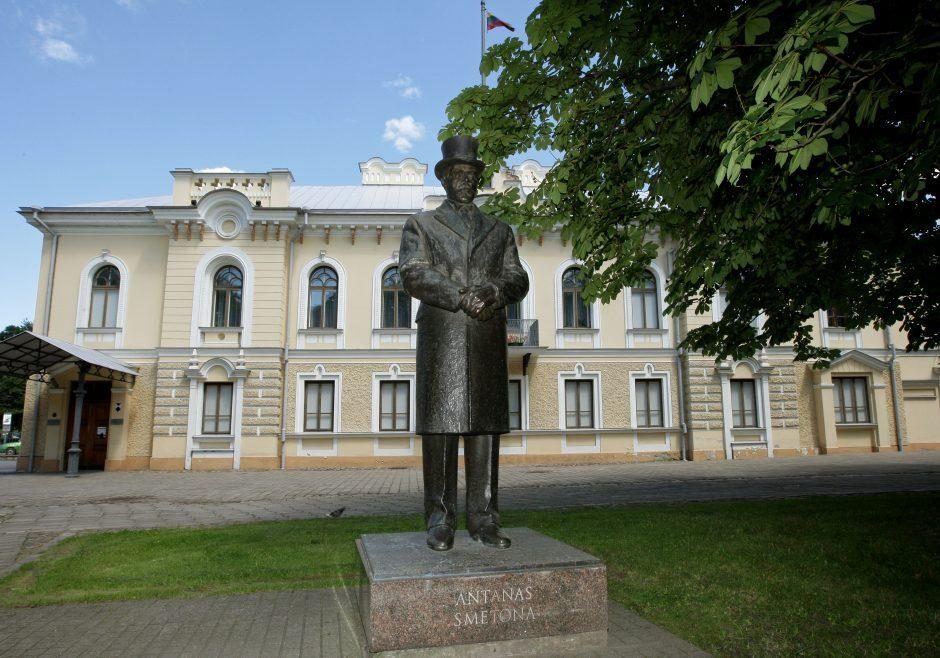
858, 13
786, 152
754, 27
724, 71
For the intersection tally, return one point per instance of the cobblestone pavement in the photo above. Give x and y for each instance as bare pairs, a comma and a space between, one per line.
308, 623
38, 510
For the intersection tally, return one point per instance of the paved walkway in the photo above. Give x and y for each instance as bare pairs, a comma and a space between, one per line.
310, 623
38, 510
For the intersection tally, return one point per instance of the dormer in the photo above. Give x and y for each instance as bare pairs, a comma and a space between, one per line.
376, 171
270, 189
526, 176
531, 174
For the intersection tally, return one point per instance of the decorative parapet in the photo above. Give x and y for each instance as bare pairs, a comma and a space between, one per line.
527, 176
376, 171
264, 190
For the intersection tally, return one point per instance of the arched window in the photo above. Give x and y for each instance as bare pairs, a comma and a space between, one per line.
577, 313
105, 287
396, 303
514, 311
323, 298
227, 297
644, 298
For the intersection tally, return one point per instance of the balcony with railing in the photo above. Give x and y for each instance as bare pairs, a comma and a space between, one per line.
522, 333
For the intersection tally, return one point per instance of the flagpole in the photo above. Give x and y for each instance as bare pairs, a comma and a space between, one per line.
482, 38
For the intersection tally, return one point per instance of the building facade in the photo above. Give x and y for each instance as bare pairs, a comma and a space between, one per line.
268, 329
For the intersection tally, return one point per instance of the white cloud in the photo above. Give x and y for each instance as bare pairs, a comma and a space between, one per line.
62, 23
56, 34
403, 132
403, 84
128, 4
220, 170
62, 51
48, 26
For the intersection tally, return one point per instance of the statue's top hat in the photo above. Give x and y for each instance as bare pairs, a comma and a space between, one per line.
460, 149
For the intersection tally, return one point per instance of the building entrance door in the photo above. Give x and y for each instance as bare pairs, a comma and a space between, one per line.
93, 433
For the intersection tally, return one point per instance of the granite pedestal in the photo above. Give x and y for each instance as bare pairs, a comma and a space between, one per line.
414, 597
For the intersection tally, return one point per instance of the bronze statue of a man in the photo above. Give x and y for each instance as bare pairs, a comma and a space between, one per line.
464, 268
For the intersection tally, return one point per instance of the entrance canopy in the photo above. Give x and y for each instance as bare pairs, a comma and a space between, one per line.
32, 356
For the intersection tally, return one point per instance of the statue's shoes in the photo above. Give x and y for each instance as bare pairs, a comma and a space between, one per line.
491, 535
441, 538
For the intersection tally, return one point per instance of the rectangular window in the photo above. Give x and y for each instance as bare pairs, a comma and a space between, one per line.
743, 403
515, 404
851, 400
217, 409
579, 403
649, 403
645, 314
318, 407
394, 406
835, 318
104, 306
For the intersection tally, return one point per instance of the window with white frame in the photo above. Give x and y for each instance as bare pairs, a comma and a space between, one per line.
396, 303
323, 298
645, 303
515, 404
649, 402
850, 395
227, 297
217, 408
576, 311
836, 319
579, 403
394, 406
105, 289
319, 398
744, 403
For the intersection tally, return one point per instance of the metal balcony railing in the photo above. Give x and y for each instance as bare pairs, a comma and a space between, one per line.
522, 332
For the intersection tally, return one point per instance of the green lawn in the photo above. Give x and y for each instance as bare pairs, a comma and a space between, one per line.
838, 575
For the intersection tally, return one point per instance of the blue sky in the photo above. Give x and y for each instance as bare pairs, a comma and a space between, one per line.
104, 97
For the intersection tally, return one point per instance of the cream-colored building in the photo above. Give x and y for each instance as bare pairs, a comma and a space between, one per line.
267, 328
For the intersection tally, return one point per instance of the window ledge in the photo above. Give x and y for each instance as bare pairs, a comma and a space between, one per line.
579, 330
319, 331
856, 425
214, 437
651, 332
226, 330
394, 330
349, 435
745, 430
99, 330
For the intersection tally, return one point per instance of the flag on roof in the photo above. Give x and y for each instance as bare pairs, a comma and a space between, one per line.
492, 22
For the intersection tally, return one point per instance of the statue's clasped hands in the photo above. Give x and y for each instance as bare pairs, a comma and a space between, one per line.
479, 302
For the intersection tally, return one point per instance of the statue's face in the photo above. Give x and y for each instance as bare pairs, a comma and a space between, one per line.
461, 182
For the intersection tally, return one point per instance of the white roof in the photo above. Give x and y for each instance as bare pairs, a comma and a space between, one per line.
319, 198
142, 202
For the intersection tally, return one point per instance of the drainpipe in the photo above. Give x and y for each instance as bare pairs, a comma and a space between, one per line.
895, 403
286, 358
47, 309
680, 380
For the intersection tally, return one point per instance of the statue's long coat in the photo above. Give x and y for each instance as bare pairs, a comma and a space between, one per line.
462, 374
